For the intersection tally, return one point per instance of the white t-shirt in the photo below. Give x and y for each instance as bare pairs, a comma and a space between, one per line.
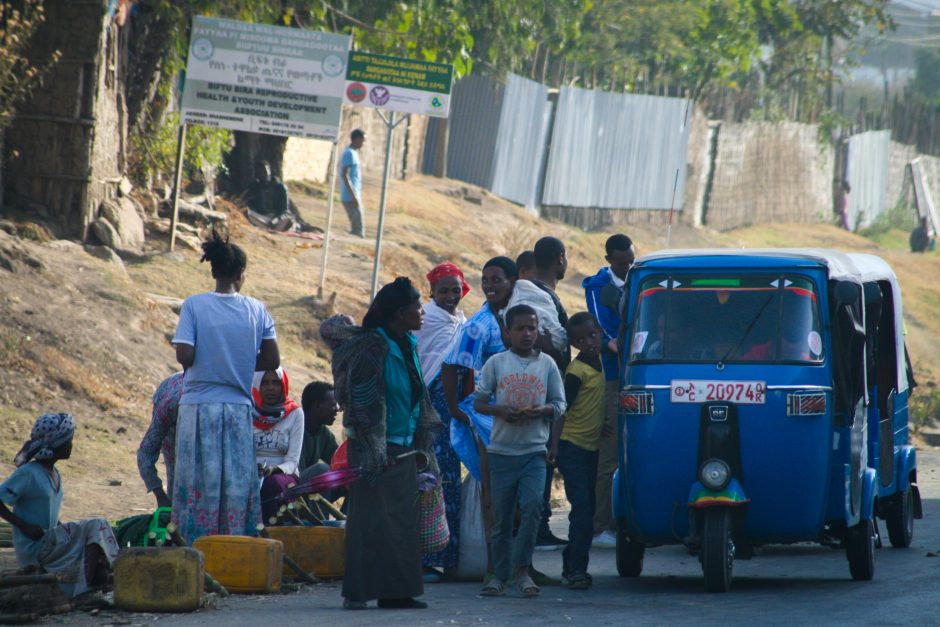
280, 445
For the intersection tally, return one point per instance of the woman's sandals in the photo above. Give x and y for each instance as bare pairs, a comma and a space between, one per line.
493, 588
527, 587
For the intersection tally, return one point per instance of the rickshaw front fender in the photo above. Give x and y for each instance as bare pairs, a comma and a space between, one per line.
869, 492
907, 464
616, 496
701, 497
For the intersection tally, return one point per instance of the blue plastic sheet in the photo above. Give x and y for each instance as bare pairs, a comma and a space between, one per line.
462, 437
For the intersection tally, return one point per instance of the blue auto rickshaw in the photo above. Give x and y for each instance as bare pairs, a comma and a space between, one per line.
764, 400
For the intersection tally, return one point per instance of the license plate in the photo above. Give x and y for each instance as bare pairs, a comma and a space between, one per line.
701, 391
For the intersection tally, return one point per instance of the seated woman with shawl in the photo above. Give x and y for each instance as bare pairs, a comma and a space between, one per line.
83, 551
387, 418
279, 436
439, 331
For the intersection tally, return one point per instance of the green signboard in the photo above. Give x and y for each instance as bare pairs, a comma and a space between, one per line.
398, 84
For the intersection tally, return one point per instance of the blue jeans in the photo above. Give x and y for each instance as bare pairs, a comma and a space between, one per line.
515, 479
579, 468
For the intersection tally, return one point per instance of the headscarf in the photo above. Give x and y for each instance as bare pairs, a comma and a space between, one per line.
448, 269
49, 433
332, 330
266, 417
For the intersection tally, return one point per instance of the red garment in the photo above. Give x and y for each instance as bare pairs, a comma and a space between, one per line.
266, 417
448, 269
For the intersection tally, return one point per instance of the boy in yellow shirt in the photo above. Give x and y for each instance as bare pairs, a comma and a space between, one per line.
576, 437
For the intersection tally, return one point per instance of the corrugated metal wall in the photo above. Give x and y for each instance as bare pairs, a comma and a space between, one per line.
520, 143
617, 151
473, 123
867, 174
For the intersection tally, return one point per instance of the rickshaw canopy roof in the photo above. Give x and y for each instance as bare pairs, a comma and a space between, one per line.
856, 267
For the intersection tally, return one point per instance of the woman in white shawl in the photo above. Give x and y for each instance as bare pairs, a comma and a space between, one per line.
439, 331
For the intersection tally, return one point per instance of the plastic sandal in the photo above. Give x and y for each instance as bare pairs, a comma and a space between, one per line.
527, 587
493, 588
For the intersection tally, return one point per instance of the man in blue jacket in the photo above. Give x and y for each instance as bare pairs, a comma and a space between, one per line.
603, 293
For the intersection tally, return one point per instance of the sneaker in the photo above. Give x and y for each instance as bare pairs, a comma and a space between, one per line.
604, 540
549, 542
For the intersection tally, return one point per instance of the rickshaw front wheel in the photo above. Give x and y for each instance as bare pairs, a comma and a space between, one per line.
629, 553
860, 550
717, 553
900, 520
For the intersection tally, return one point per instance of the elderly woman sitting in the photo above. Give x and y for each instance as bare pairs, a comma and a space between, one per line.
84, 550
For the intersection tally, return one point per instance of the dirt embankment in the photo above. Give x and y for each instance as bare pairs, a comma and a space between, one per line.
89, 336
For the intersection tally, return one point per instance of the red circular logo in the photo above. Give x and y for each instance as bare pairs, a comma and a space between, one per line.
356, 92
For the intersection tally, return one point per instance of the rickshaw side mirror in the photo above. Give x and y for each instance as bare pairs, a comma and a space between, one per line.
610, 296
846, 292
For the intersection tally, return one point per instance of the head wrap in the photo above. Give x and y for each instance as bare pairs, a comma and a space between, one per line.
331, 329
448, 269
49, 433
267, 416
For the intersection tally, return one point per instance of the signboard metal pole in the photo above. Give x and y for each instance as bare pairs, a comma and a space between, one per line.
329, 218
390, 127
177, 180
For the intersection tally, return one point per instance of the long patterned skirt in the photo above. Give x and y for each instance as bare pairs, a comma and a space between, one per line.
215, 489
450, 476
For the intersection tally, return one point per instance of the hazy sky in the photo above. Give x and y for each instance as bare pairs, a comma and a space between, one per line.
923, 5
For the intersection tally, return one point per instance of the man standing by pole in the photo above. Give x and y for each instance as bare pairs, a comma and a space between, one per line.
603, 292
351, 185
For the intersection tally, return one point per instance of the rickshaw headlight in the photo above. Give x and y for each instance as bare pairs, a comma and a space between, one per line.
715, 474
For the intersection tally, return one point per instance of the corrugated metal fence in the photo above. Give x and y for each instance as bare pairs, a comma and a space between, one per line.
617, 151
867, 174
610, 151
524, 125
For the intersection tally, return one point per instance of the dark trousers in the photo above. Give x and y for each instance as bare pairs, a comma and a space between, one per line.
579, 468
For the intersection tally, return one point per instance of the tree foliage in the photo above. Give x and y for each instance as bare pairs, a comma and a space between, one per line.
18, 77
780, 57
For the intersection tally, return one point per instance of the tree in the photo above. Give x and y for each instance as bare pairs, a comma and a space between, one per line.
18, 77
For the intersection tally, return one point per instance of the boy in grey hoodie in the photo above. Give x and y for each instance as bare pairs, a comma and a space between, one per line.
523, 391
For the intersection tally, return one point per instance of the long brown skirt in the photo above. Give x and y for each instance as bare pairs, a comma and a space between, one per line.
383, 554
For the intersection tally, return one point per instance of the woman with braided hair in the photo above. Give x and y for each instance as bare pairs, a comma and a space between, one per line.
222, 338
387, 417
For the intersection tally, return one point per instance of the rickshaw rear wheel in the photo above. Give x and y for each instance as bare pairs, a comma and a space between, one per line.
900, 520
860, 550
629, 553
717, 553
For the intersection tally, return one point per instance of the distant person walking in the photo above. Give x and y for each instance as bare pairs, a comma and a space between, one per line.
842, 204
351, 183
921, 239
218, 340
603, 293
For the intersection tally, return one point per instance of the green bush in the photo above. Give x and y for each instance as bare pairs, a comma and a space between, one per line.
901, 216
924, 408
155, 152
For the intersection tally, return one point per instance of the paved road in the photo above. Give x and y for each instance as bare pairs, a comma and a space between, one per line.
802, 584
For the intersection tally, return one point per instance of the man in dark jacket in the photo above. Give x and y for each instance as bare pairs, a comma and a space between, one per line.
603, 293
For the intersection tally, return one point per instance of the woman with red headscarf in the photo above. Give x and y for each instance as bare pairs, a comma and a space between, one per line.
279, 436
439, 331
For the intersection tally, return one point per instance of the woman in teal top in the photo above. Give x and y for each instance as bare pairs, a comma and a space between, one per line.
386, 416
81, 551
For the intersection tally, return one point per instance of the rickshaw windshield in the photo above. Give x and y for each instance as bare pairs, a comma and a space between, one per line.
711, 318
